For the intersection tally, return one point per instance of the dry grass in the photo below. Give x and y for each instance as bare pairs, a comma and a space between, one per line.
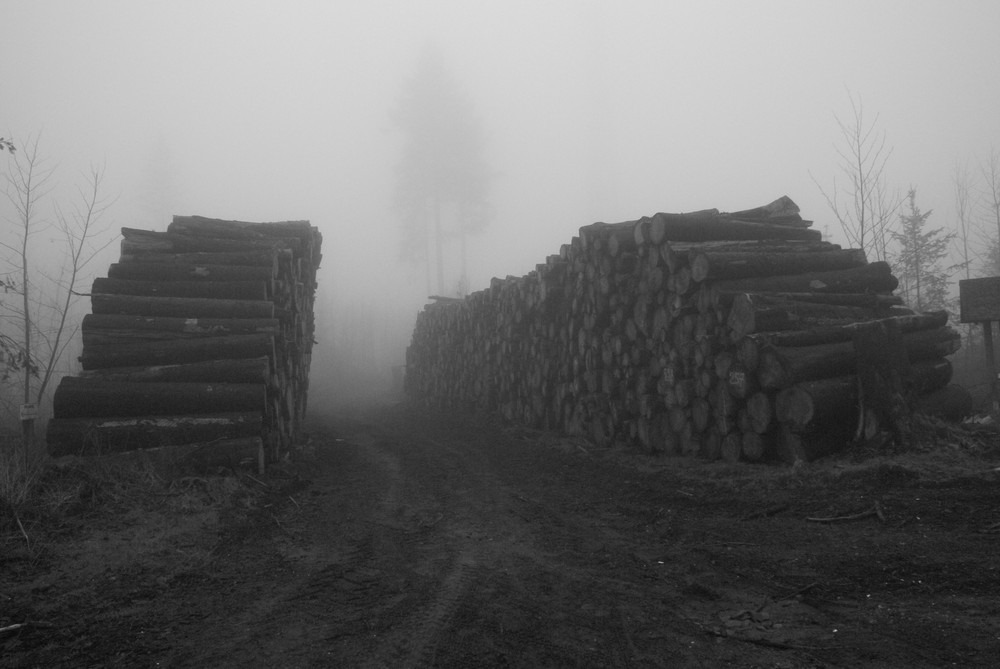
42, 499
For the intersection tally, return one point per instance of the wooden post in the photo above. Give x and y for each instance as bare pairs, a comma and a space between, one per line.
28, 412
979, 301
991, 370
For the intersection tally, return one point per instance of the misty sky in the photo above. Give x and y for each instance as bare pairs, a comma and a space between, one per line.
593, 110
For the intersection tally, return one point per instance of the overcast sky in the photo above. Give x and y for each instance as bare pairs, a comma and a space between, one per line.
593, 110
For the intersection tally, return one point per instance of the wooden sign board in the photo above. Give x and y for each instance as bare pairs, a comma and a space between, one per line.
979, 299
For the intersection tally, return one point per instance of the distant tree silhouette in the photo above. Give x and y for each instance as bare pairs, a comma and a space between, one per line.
990, 202
441, 178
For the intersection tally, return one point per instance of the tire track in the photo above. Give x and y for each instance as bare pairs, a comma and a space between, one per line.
414, 644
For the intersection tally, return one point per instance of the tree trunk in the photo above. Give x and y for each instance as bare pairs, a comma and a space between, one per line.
699, 227
245, 370
99, 436
177, 351
216, 290
781, 367
841, 333
268, 258
723, 265
200, 226
875, 302
180, 307
874, 277
106, 329
175, 272
759, 313
816, 401
91, 398
137, 242
825, 401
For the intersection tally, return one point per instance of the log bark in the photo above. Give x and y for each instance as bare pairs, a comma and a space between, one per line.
246, 370
91, 398
840, 333
780, 367
200, 226
269, 258
728, 265
882, 365
814, 401
180, 307
782, 211
731, 447
109, 329
100, 436
826, 401
765, 246
760, 412
216, 290
750, 314
753, 446
137, 242
176, 272
177, 351
876, 302
874, 277
699, 227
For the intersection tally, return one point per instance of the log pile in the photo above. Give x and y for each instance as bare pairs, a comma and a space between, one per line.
200, 334
726, 335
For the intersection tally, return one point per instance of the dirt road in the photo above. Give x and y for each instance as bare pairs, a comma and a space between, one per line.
402, 538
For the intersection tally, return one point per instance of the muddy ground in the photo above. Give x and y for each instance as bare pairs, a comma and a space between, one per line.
405, 538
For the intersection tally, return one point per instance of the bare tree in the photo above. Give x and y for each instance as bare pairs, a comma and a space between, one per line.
865, 209
965, 230
965, 233
28, 182
46, 297
990, 202
84, 237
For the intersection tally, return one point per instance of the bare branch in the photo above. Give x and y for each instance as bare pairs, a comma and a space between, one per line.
865, 211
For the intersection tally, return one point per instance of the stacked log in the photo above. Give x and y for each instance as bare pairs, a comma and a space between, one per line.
726, 335
200, 334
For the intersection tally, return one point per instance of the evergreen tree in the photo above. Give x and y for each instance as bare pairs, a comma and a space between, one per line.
442, 179
922, 279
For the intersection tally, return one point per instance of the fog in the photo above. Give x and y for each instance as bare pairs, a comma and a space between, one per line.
591, 111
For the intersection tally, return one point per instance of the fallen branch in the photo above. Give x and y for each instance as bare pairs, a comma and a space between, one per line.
19, 626
258, 481
876, 510
798, 592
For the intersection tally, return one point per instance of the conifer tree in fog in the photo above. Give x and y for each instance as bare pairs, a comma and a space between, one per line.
441, 178
922, 279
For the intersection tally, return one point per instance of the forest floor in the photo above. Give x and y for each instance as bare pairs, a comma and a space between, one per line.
399, 537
